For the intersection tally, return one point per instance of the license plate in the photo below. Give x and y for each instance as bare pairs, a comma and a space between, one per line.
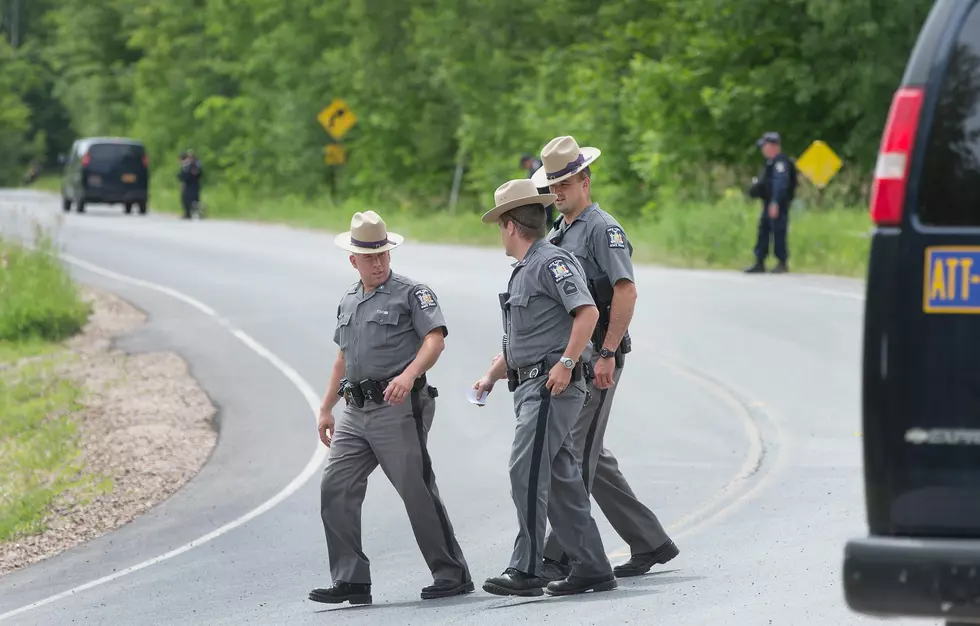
95, 181
952, 279
129, 178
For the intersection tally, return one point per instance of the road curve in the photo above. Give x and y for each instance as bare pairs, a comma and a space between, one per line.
737, 422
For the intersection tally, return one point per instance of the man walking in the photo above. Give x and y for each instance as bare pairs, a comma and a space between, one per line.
599, 242
548, 317
391, 331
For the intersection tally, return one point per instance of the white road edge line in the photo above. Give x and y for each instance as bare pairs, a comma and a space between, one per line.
311, 467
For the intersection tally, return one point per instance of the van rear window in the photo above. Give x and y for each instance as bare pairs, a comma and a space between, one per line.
115, 152
949, 190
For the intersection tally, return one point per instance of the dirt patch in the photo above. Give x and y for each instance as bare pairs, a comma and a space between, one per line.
145, 424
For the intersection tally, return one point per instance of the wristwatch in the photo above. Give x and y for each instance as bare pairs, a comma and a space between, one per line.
605, 353
567, 362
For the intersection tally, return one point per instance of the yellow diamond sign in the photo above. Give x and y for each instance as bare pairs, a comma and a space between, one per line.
337, 118
818, 163
334, 154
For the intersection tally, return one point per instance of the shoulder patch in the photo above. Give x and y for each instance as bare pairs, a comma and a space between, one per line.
569, 289
559, 269
426, 298
615, 237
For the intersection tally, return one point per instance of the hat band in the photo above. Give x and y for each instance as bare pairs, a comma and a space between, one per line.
568, 168
368, 244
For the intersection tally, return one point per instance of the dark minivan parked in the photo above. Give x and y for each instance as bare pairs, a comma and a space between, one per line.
921, 363
106, 170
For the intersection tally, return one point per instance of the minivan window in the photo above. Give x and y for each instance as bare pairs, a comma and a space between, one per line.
115, 153
949, 189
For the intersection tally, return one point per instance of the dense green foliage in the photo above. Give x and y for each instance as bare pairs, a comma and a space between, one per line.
673, 91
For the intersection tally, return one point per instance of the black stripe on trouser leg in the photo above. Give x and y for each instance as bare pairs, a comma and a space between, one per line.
534, 475
427, 478
589, 441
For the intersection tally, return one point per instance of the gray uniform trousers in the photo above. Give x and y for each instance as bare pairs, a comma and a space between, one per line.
546, 482
631, 519
394, 437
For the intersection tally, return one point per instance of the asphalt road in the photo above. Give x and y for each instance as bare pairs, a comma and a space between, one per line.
737, 421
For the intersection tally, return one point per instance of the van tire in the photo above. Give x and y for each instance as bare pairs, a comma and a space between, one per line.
142, 207
80, 207
129, 208
66, 205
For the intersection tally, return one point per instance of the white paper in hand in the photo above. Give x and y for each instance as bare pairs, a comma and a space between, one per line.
471, 396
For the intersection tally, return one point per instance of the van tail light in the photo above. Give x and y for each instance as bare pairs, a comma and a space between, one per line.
86, 159
146, 161
895, 151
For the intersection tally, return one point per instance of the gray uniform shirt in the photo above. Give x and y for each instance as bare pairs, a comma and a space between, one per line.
544, 289
381, 332
599, 243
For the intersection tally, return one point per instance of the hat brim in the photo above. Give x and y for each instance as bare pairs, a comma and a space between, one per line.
544, 199
342, 241
540, 177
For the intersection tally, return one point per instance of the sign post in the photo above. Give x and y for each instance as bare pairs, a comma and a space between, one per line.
337, 119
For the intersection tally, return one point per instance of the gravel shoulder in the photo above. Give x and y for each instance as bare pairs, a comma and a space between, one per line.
145, 429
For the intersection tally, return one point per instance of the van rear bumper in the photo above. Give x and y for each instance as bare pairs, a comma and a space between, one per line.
894, 576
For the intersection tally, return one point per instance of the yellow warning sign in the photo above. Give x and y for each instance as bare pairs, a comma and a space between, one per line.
334, 154
818, 163
337, 118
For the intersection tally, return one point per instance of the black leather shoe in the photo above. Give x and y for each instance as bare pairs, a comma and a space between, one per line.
756, 268
444, 588
553, 570
581, 584
355, 593
782, 268
514, 582
641, 563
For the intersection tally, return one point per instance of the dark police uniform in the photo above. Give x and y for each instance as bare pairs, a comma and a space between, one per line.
777, 184
190, 175
600, 244
546, 483
380, 333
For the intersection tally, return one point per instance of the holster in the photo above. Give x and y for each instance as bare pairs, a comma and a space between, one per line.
368, 390
601, 290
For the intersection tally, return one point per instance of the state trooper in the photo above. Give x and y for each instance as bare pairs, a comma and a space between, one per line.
775, 189
600, 244
548, 316
391, 331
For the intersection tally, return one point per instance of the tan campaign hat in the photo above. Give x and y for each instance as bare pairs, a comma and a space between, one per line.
515, 193
368, 234
562, 158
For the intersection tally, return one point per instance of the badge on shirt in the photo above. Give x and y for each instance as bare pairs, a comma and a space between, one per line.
780, 167
616, 237
569, 289
559, 269
425, 297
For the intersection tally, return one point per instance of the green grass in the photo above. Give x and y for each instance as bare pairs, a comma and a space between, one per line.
826, 240
821, 240
38, 300
39, 439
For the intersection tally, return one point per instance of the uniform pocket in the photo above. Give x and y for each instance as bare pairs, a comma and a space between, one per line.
345, 328
381, 327
521, 319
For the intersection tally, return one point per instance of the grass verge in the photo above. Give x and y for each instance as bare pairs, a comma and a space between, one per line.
39, 449
721, 236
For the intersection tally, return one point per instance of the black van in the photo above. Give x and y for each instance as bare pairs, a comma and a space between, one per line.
921, 361
106, 170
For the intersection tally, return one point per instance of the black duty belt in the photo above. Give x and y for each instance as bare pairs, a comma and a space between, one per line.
519, 376
369, 390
